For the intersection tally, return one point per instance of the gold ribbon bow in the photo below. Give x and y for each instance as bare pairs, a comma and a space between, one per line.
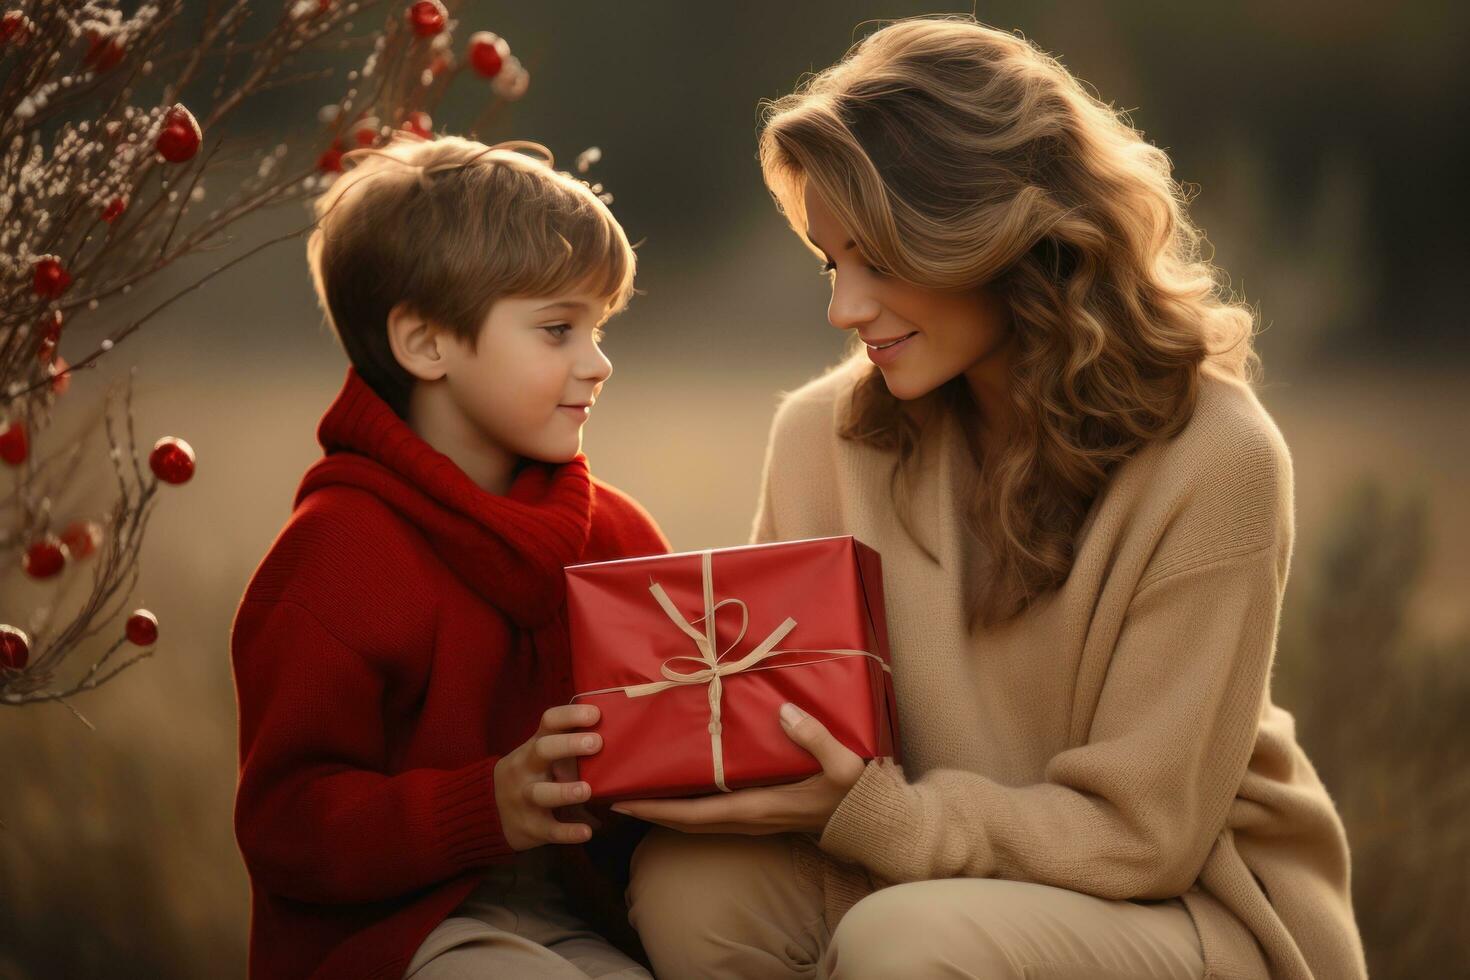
713, 667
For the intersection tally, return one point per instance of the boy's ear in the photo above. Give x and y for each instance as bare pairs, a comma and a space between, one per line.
417, 344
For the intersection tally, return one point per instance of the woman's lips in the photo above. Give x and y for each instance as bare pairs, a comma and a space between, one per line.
886, 352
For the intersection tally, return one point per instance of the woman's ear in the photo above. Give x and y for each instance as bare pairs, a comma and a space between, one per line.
417, 344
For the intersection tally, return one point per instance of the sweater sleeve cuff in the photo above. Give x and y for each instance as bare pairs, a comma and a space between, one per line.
465, 820
878, 811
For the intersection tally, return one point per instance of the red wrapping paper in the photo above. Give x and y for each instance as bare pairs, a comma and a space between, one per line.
660, 744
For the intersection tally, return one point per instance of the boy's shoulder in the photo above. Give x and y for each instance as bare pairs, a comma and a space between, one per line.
348, 558
621, 526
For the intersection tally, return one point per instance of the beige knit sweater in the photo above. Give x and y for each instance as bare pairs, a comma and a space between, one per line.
1118, 738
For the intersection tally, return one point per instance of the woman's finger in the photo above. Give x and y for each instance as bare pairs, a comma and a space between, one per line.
742, 806
719, 828
837, 760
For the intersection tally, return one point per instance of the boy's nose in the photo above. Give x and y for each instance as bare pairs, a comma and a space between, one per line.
596, 368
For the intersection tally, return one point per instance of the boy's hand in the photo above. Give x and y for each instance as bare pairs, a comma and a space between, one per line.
526, 788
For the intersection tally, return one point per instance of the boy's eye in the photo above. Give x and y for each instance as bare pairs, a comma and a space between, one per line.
558, 330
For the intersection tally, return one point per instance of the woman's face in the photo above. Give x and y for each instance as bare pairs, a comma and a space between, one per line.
918, 337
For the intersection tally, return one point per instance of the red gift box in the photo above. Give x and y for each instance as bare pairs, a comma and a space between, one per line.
687, 710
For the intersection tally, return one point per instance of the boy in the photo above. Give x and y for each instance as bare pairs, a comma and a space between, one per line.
400, 654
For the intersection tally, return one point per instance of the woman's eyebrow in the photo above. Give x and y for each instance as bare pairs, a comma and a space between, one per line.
819, 248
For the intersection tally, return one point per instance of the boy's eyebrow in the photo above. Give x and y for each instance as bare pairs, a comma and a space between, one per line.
819, 248
566, 304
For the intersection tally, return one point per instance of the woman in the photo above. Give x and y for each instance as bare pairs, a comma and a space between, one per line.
1085, 517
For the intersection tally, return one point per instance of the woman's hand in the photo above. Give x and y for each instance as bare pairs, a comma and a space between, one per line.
795, 807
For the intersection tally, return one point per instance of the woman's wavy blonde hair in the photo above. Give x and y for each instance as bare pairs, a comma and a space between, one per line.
960, 156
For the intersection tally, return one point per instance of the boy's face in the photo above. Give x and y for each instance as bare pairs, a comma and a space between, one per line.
529, 384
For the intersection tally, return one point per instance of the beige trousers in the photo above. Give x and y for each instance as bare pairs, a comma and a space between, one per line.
515, 925
737, 907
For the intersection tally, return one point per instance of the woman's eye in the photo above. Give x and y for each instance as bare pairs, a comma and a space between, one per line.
558, 330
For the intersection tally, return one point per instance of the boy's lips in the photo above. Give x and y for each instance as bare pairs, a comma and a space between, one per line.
577, 409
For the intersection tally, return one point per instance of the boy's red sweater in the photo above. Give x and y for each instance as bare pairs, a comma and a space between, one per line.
402, 633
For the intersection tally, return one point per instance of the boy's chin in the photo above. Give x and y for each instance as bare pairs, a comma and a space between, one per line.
555, 454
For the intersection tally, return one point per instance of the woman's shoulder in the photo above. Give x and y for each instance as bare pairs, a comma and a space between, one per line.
1221, 486
1229, 437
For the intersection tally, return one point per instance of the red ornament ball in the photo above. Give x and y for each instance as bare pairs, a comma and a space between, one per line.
330, 162
366, 133
488, 52
419, 123
82, 538
45, 559
427, 17
14, 27
15, 647
51, 278
114, 208
103, 53
172, 460
15, 445
180, 138
142, 628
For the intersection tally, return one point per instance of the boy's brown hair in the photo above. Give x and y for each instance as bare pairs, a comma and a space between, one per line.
448, 226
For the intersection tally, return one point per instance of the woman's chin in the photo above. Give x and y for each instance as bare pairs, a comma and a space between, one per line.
903, 386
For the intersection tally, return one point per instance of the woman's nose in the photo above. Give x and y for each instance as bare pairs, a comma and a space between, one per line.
850, 307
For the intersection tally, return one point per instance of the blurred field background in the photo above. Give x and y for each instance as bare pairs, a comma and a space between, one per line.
1319, 136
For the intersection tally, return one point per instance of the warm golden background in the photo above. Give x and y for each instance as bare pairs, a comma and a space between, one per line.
1320, 137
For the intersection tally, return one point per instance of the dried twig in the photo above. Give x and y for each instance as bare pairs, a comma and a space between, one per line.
91, 199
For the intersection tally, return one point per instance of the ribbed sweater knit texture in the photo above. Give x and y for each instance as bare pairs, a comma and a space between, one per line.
1118, 738
404, 631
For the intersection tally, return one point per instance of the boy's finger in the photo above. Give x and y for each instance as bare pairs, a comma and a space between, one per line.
549, 748
563, 717
579, 814
556, 832
549, 796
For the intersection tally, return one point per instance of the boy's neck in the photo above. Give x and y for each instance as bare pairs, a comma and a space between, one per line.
434, 418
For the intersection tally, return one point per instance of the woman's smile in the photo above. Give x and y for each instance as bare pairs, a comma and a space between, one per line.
886, 350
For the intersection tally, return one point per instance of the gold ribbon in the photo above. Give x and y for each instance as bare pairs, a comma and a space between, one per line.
713, 667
